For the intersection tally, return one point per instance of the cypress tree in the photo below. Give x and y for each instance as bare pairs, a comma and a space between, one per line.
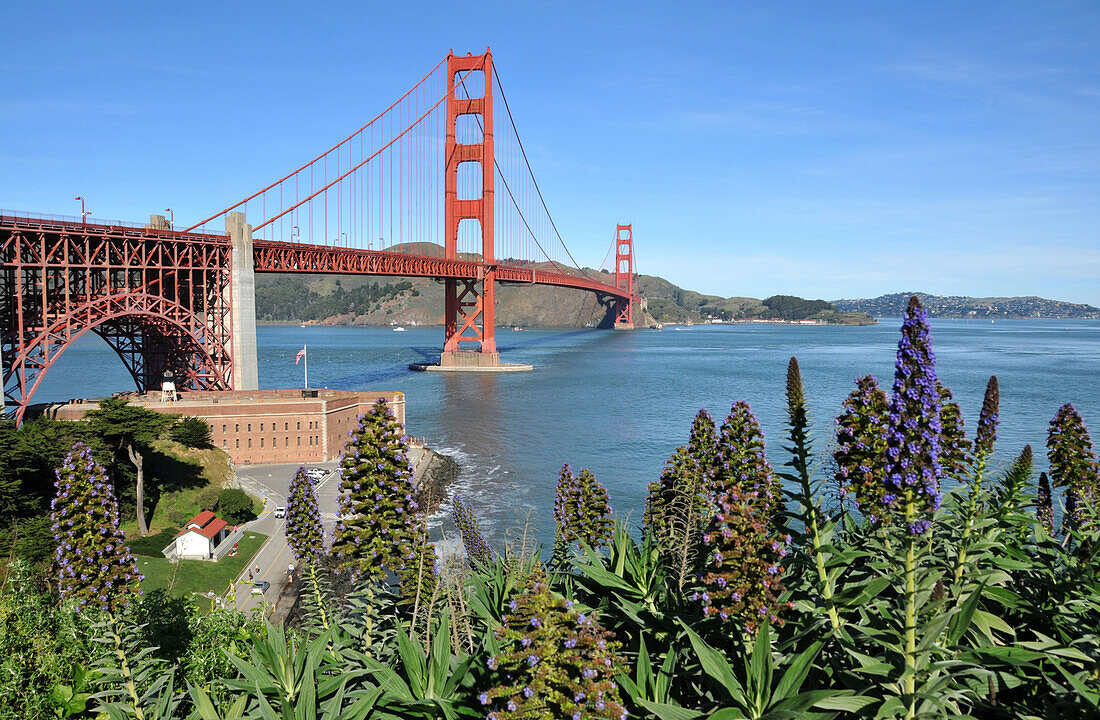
95, 566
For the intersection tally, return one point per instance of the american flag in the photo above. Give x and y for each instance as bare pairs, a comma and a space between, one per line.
301, 354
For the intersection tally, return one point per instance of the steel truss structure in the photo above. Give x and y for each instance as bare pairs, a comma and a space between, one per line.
274, 256
159, 298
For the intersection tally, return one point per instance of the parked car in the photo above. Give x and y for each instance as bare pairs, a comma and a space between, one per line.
259, 588
316, 473
280, 511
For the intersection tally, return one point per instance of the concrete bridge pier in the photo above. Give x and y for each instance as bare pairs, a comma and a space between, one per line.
242, 304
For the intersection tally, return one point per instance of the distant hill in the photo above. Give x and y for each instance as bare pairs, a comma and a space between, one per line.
668, 303
953, 306
361, 300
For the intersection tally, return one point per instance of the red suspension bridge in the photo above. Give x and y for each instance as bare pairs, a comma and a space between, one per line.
432, 166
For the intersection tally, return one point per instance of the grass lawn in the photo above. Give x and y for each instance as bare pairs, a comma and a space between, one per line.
182, 474
197, 576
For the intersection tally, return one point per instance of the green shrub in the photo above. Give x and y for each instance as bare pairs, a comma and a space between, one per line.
235, 506
208, 498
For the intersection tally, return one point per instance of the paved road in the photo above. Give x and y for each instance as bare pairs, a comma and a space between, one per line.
271, 482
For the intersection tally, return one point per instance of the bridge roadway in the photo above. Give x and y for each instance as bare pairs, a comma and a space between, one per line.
275, 256
47, 243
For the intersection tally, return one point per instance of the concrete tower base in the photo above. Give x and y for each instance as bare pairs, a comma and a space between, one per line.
470, 362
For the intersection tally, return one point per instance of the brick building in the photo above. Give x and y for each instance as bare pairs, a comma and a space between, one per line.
264, 426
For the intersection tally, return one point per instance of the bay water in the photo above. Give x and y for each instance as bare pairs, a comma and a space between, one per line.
619, 403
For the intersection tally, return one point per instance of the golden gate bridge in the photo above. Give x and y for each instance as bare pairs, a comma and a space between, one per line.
433, 165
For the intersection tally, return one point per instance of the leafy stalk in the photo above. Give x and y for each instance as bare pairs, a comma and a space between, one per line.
800, 450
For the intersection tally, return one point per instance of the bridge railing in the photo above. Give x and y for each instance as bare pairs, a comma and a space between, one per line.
48, 220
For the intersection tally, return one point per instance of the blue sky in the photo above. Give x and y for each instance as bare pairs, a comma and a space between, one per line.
840, 151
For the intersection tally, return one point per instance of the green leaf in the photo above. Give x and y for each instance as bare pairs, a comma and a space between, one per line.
715, 665
203, 705
960, 621
796, 672
761, 662
644, 669
858, 595
669, 712
844, 703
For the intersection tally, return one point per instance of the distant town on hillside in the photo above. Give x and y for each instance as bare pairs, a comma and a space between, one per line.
954, 306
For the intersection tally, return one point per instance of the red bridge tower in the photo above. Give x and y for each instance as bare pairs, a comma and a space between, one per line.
469, 312
624, 276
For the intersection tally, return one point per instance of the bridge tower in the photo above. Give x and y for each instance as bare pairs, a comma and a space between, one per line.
469, 318
624, 276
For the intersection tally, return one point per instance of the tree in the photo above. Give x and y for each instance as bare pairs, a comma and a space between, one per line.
235, 506
133, 429
94, 564
194, 432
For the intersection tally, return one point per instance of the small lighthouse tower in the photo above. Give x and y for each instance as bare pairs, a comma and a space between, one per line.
168, 387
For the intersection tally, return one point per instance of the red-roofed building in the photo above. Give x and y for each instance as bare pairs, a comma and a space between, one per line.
200, 536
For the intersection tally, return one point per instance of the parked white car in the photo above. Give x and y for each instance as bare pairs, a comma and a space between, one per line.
280, 512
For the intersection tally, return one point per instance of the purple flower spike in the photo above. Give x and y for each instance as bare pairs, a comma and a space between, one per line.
913, 469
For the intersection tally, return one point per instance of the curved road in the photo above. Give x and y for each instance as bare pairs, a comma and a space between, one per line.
271, 482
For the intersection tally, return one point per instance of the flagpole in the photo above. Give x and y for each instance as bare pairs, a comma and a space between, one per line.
305, 357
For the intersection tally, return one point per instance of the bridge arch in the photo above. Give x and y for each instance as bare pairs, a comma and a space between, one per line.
149, 333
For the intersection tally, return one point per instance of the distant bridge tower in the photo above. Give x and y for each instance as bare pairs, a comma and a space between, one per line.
469, 311
624, 276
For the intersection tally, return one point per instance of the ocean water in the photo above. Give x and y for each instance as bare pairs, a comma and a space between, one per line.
619, 403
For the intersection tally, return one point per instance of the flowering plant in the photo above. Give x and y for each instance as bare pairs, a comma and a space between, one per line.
380, 524
554, 662
95, 566
304, 532
581, 509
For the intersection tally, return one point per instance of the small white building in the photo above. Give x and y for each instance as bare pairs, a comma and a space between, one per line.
199, 537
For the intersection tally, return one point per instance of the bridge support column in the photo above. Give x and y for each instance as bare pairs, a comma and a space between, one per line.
242, 304
470, 317
624, 275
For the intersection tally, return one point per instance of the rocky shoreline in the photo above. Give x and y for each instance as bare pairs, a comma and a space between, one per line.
441, 470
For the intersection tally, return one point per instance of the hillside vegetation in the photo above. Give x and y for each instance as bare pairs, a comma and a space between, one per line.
359, 300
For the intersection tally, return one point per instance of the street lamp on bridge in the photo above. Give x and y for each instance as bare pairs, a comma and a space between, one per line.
295, 231
172, 220
345, 236
83, 214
